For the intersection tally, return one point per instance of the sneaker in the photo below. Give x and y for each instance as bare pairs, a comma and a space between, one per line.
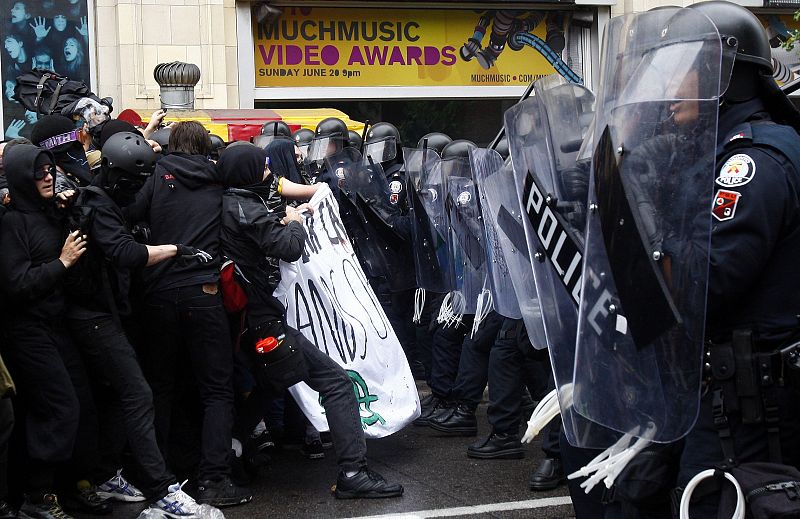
86, 500
179, 504
313, 450
47, 509
365, 484
222, 493
119, 489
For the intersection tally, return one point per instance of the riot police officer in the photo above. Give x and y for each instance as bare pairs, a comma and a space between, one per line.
754, 300
384, 145
330, 137
435, 141
271, 131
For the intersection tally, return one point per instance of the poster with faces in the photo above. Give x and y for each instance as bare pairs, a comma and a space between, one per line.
43, 34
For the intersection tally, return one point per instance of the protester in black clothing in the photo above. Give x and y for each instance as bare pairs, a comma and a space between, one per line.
46, 364
181, 203
59, 135
97, 306
283, 159
255, 238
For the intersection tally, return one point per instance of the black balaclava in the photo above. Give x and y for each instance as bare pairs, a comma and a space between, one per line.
59, 134
20, 163
282, 160
242, 167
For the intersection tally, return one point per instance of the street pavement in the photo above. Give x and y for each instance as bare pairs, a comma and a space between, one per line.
439, 481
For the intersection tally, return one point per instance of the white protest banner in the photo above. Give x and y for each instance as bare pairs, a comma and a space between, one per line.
329, 300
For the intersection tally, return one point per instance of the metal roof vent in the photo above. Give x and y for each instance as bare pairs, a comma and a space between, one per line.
177, 81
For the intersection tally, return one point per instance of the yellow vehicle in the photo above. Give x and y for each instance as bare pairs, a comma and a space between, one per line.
242, 125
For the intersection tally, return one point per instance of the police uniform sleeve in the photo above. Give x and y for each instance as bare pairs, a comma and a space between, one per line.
21, 279
752, 201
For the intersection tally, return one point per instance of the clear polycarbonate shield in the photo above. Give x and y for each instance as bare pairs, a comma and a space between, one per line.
645, 270
381, 150
361, 177
429, 220
322, 147
467, 242
485, 163
497, 190
364, 195
263, 140
547, 183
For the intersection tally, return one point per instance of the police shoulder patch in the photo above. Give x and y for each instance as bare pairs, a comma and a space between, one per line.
395, 186
725, 204
737, 171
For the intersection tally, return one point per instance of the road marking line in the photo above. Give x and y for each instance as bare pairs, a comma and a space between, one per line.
477, 509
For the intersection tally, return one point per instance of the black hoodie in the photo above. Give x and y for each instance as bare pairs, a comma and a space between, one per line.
31, 239
180, 203
252, 235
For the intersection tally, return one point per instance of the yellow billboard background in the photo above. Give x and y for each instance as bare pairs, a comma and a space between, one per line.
329, 47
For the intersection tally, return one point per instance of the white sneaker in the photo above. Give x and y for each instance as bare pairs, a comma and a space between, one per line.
180, 505
119, 489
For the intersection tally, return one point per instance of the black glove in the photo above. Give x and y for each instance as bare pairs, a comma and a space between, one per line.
186, 252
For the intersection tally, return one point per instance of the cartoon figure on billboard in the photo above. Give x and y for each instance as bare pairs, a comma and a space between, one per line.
515, 29
785, 63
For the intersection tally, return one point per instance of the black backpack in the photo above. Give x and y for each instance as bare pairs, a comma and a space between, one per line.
46, 93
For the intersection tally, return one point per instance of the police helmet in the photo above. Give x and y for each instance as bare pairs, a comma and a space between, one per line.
355, 139
458, 149
303, 136
435, 141
384, 144
332, 127
217, 145
276, 128
749, 36
502, 148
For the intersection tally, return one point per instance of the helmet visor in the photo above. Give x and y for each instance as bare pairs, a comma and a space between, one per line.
382, 150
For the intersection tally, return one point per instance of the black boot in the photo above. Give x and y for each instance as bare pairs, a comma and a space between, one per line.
459, 421
548, 475
365, 484
433, 406
497, 446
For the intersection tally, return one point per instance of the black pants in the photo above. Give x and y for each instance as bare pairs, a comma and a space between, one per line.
425, 330
60, 420
473, 366
188, 330
445, 356
335, 388
511, 366
589, 506
6, 426
129, 415
399, 308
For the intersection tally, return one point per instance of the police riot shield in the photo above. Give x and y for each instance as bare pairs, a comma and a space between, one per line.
551, 192
353, 176
645, 271
467, 242
486, 163
429, 221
